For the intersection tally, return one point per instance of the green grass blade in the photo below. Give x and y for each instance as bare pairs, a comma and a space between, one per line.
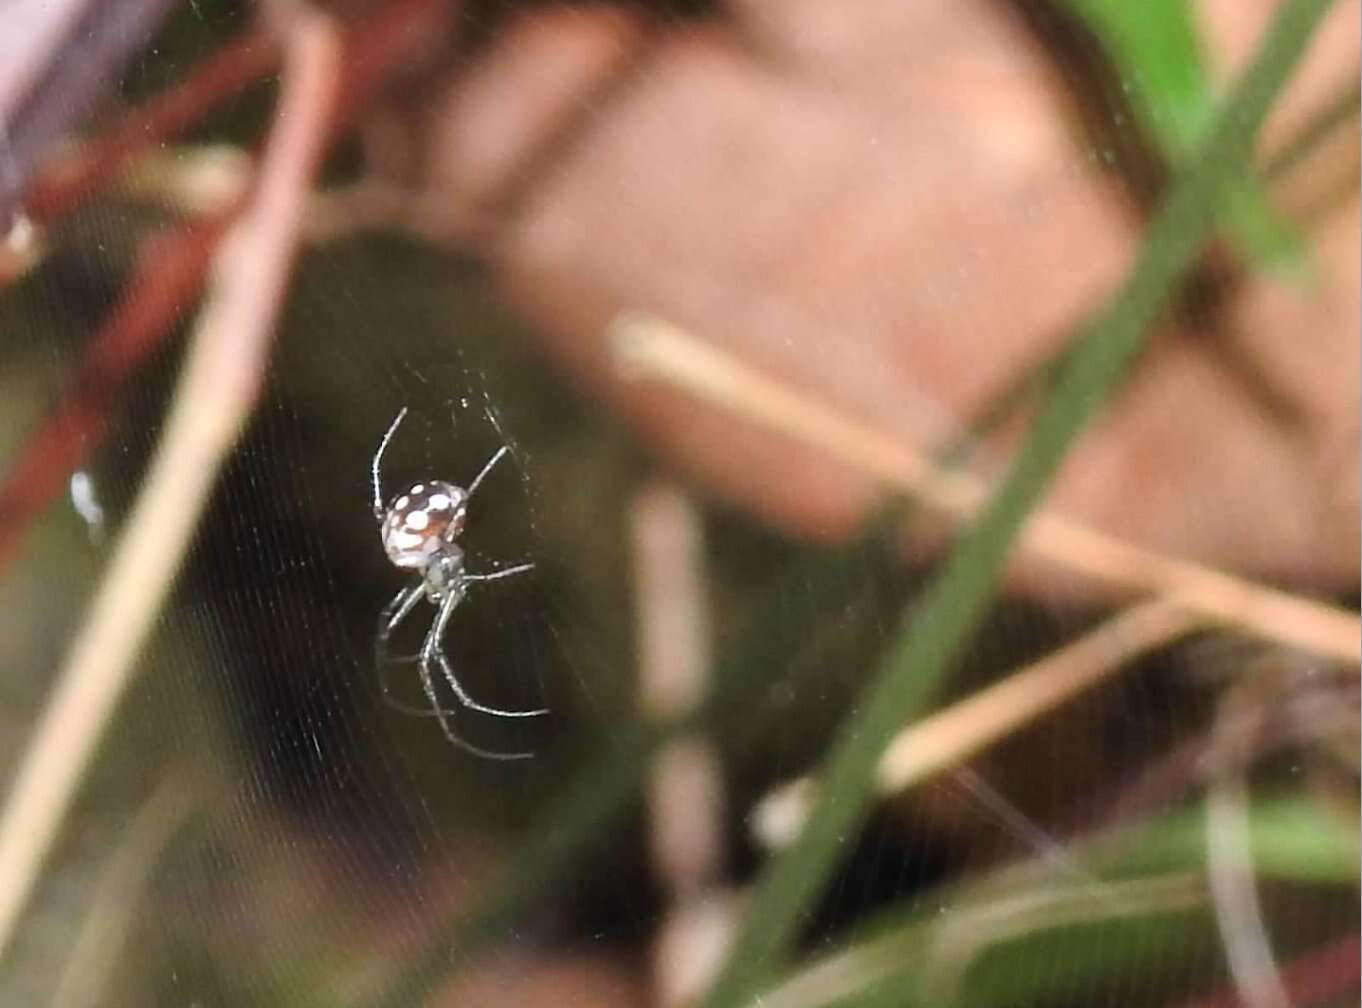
1153, 46
956, 600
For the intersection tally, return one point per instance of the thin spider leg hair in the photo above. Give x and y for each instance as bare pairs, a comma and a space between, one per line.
376, 465
502, 452
431, 651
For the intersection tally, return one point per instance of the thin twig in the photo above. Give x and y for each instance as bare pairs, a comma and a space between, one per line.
219, 386
648, 347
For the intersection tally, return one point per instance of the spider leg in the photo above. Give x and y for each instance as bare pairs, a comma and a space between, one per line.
431, 652
390, 699
428, 684
376, 466
472, 704
501, 453
388, 621
387, 626
391, 617
412, 659
411, 710
504, 572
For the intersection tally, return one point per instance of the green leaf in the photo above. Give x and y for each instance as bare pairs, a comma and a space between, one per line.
1084, 956
1118, 901
1293, 840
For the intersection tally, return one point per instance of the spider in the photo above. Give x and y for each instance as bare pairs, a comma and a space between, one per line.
418, 530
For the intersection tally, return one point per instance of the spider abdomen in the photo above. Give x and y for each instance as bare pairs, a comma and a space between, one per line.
422, 522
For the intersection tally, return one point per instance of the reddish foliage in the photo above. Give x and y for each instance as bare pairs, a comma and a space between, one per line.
224, 74
171, 268
168, 274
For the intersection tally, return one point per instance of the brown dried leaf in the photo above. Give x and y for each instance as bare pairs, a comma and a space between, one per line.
894, 211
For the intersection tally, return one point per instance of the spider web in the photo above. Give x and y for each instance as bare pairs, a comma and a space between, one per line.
263, 685
288, 837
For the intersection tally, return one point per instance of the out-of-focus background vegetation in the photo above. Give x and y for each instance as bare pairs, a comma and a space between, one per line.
791, 313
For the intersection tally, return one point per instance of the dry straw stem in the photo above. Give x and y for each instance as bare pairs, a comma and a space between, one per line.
963, 729
648, 347
217, 391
